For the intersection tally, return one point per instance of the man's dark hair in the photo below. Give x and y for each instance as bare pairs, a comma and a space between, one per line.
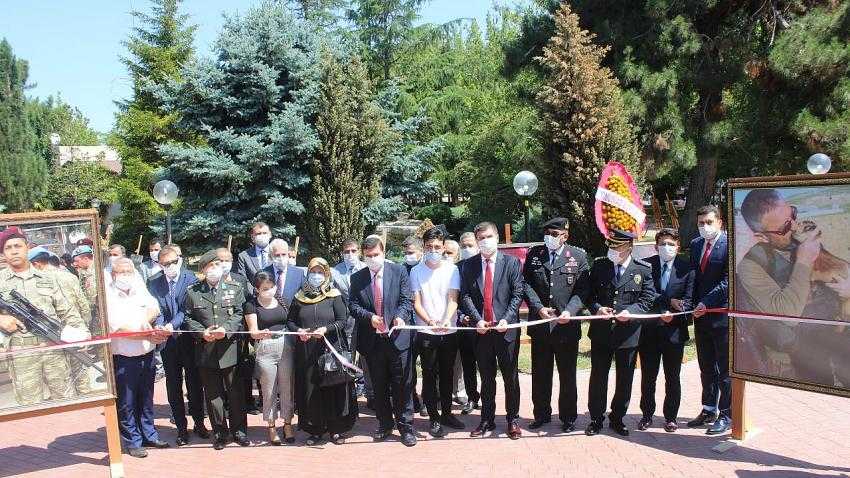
156, 240
667, 232
349, 242
261, 278
483, 226
412, 241
433, 234
257, 225
120, 247
708, 209
372, 242
756, 204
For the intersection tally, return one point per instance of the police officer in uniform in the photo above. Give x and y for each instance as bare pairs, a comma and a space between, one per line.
31, 371
214, 308
620, 286
557, 284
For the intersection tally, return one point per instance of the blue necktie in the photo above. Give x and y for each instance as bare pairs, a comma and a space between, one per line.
619, 272
665, 276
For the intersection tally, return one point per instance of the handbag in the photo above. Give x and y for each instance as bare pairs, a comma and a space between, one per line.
332, 372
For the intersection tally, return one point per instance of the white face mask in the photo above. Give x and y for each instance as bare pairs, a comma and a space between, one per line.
280, 262
123, 282
375, 263
262, 240
350, 258
315, 279
112, 260
155, 256
488, 246
268, 293
226, 267
172, 270
433, 257
614, 256
667, 252
467, 252
411, 259
292, 261
552, 243
213, 275
708, 232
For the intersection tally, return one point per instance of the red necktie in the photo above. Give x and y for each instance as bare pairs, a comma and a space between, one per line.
379, 296
704, 261
488, 292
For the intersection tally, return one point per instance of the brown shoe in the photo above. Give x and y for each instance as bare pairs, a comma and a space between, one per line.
670, 427
482, 428
514, 433
274, 439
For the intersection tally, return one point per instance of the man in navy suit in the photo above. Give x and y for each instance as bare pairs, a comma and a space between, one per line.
664, 339
288, 278
379, 299
710, 262
492, 289
169, 289
255, 258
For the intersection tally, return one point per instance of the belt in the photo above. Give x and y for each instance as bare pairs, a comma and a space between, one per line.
17, 340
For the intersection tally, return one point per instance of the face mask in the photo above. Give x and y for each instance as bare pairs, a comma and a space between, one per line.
552, 243
292, 261
375, 263
350, 258
281, 262
488, 246
315, 279
123, 282
268, 293
708, 232
262, 240
226, 267
213, 275
468, 252
433, 257
112, 260
172, 271
614, 256
155, 256
666, 252
411, 259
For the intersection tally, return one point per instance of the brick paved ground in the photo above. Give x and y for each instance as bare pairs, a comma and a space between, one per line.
801, 434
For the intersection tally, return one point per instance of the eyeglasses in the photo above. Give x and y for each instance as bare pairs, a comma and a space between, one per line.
786, 228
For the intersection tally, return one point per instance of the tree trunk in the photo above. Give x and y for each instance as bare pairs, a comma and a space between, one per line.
700, 191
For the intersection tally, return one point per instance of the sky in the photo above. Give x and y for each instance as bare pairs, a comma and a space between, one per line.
74, 48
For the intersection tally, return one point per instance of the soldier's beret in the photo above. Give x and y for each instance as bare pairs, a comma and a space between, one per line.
38, 254
80, 250
617, 237
13, 232
556, 223
208, 257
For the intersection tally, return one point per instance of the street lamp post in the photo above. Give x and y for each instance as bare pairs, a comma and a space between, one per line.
525, 184
165, 192
819, 163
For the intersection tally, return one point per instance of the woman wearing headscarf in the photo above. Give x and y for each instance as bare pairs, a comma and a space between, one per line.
317, 311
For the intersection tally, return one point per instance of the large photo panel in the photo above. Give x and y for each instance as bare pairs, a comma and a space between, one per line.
51, 283
790, 256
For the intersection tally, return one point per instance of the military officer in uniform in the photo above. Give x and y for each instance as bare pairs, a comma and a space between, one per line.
214, 308
557, 284
83, 257
621, 285
31, 371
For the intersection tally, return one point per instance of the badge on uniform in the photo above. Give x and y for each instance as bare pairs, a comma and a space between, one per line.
638, 278
570, 279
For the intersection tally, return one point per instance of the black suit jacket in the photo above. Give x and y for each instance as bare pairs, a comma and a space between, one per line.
712, 286
508, 291
563, 286
680, 285
634, 292
397, 303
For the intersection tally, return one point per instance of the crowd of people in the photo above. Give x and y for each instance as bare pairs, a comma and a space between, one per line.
262, 322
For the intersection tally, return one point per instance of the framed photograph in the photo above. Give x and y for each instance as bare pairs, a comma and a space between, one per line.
52, 296
790, 256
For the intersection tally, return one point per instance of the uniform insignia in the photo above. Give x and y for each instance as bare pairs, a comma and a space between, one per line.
230, 311
638, 278
570, 279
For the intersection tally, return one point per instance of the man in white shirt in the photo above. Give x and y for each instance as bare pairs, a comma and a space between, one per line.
131, 308
436, 285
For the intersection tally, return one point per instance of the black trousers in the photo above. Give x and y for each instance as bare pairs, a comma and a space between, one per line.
544, 355
392, 384
438, 354
493, 353
179, 364
713, 358
218, 384
600, 364
466, 346
652, 354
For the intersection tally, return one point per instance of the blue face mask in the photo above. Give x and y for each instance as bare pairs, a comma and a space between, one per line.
433, 257
315, 279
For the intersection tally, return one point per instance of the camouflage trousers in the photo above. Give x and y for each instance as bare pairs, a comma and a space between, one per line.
80, 374
31, 371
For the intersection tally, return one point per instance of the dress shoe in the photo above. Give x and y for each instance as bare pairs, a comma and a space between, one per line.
408, 439
538, 422
644, 423
137, 452
568, 427
381, 434
721, 425
451, 421
219, 444
436, 430
670, 427
704, 417
201, 431
482, 429
241, 440
467, 408
620, 428
593, 428
182, 438
156, 444
514, 432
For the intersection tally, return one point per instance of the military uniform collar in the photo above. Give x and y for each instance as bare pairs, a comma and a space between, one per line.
29, 273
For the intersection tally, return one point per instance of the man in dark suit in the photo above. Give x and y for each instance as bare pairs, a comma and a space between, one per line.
710, 262
557, 284
169, 289
379, 299
467, 339
214, 307
664, 339
255, 258
620, 286
288, 278
491, 292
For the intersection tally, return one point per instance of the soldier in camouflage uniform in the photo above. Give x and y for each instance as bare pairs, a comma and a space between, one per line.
30, 371
70, 287
83, 257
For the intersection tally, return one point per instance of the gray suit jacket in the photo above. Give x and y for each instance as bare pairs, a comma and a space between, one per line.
248, 264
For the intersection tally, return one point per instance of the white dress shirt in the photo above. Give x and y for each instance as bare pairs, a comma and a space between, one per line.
129, 312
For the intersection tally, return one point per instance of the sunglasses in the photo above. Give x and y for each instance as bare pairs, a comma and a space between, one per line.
786, 228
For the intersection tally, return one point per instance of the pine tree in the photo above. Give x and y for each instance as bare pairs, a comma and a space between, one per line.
347, 166
252, 105
22, 171
384, 28
584, 124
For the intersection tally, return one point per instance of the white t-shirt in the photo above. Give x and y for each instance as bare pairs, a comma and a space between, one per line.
433, 286
129, 312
